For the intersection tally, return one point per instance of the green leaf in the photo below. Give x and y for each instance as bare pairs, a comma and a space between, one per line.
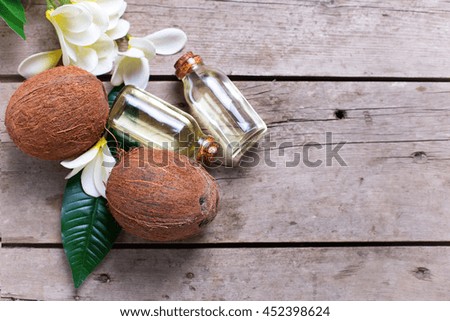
113, 94
13, 13
88, 230
15, 7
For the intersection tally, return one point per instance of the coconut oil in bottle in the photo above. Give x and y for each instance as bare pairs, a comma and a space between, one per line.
218, 106
155, 123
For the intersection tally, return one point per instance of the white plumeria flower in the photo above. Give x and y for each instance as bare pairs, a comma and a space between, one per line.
97, 164
86, 32
97, 58
77, 25
117, 27
132, 66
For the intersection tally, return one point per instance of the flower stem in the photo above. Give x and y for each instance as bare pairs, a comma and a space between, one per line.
51, 5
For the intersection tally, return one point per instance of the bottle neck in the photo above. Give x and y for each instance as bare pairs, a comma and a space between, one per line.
208, 149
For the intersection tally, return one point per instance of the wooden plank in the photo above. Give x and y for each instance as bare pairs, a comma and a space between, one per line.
384, 194
302, 112
386, 273
394, 186
347, 38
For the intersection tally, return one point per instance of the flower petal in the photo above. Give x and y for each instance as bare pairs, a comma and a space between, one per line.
100, 18
143, 44
105, 46
74, 172
117, 76
90, 34
39, 62
98, 175
105, 177
84, 38
111, 6
66, 60
88, 180
72, 18
113, 21
104, 66
122, 9
81, 160
120, 30
108, 165
108, 161
107, 51
133, 53
87, 58
137, 72
101, 189
68, 52
168, 41
67, 10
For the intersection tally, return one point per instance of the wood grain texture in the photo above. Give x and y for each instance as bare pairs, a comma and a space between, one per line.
394, 187
393, 273
350, 38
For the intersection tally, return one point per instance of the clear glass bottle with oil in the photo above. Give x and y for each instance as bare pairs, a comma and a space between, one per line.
218, 106
153, 122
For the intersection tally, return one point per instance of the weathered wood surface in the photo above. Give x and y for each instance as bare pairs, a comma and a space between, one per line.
394, 187
398, 38
387, 273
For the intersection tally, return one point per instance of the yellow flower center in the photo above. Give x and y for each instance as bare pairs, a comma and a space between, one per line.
102, 142
48, 13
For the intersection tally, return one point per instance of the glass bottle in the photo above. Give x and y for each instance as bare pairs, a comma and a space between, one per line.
219, 107
153, 122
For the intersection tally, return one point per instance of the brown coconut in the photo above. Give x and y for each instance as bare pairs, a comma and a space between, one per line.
161, 196
57, 114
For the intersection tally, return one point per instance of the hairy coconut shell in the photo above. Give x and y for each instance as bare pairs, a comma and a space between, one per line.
57, 114
161, 196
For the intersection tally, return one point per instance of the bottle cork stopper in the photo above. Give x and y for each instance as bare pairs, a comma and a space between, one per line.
184, 64
208, 150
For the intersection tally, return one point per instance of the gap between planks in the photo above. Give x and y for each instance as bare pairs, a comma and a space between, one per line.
256, 245
13, 78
